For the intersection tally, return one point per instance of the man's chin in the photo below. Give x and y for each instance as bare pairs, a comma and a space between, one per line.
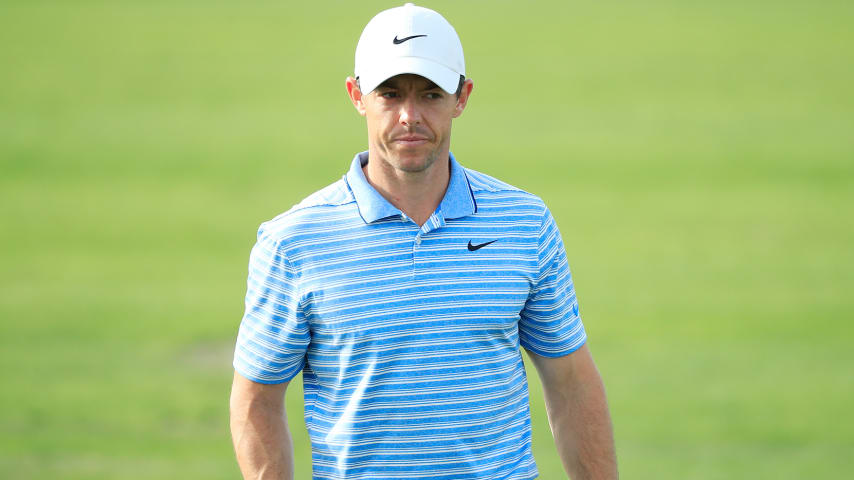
414, 162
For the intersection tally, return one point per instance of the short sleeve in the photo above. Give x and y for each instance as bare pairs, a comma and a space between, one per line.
273, 335
550, 324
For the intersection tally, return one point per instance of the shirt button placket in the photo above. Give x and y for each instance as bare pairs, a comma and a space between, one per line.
415, 245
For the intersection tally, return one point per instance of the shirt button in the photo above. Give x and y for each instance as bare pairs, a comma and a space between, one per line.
418, 240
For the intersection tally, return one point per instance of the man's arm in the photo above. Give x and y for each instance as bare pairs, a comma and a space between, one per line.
578, 414
259, 430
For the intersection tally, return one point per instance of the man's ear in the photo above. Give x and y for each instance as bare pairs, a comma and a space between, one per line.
355, 95
464, 97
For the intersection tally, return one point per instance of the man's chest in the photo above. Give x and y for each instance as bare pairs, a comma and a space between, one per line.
472, 274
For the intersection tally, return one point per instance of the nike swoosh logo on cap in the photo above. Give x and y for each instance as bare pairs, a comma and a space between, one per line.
398, 42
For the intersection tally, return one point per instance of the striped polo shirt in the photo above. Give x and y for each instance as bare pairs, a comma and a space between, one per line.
408, 336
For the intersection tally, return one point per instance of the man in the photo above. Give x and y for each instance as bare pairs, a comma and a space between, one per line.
403, 293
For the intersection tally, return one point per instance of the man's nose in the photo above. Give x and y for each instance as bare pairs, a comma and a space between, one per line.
409, 112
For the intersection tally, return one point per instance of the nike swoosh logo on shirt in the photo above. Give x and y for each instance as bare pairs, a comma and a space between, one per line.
472, 248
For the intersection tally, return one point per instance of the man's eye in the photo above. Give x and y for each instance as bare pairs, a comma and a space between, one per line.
388, 94
434, 95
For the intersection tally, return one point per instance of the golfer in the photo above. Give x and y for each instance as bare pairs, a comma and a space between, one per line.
403, 293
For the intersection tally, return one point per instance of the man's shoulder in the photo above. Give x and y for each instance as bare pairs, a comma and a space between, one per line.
329, 204
485, 187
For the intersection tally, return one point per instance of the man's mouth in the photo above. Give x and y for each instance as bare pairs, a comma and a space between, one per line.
411, 140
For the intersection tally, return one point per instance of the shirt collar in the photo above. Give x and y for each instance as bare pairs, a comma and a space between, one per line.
457, 202
459, 199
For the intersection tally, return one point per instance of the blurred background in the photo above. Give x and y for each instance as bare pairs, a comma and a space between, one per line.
698, 157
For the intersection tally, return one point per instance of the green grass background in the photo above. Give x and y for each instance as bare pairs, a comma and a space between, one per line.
698, 156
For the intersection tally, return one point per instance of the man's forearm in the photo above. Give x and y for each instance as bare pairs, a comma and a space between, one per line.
578, 415
583, 432
262, 441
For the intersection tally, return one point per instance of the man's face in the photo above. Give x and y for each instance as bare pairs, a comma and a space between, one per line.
409, 120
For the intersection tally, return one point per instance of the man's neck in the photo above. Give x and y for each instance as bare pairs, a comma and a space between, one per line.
416, 194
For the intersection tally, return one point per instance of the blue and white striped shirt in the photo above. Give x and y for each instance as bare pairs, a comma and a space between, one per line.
408, 337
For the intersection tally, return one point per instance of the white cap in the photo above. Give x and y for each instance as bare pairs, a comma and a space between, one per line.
409, 39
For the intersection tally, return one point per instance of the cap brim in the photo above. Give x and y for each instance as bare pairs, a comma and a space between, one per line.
444, 77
